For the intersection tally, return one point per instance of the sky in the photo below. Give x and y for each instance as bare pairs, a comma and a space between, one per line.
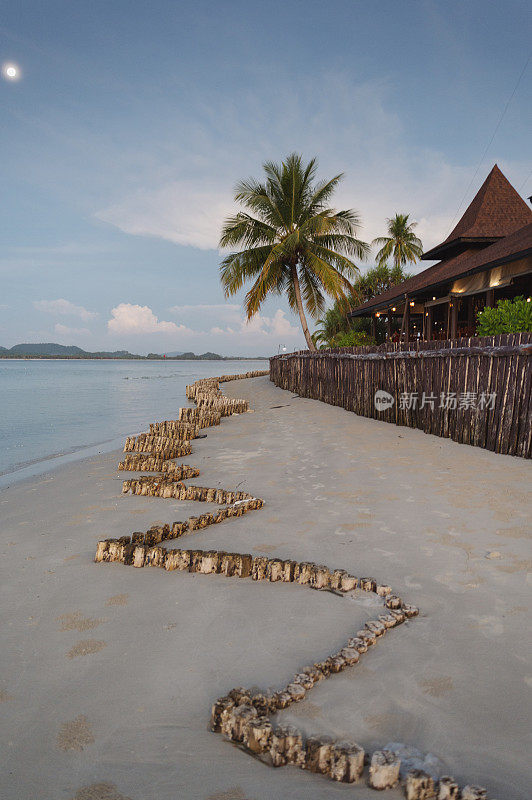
131, 122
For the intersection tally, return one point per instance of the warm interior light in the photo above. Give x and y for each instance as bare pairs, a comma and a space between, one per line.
393, 309
411, 302
528, 299
434, 298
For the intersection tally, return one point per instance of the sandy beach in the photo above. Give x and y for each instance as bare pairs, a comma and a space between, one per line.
108, 673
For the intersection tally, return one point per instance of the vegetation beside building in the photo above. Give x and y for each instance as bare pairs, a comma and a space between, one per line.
509, 316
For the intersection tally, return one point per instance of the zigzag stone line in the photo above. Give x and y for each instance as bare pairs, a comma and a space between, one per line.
242, 716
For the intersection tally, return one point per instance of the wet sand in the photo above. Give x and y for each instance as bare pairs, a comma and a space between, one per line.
108, 673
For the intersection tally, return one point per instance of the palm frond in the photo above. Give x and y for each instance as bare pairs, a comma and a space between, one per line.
237, 268
332, 280
312, 293
243, 229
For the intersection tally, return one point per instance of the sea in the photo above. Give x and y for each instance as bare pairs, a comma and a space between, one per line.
53, 411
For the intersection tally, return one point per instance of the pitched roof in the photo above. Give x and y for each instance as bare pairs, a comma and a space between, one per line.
510, 248
497, 210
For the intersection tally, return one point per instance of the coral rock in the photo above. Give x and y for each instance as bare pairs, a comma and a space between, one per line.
347, 762
384, 770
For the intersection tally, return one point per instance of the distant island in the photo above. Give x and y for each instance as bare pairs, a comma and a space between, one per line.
52, 350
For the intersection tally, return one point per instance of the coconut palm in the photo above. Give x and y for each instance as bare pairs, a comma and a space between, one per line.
401, 244
333, 321
291, 241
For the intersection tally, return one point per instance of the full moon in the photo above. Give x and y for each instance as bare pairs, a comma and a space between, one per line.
10, 72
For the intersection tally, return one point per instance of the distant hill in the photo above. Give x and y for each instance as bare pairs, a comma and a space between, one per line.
46, 349
53, 350
188, 356
174, 355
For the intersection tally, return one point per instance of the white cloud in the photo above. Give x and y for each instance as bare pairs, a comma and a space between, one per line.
64, 307
384, 172
281, 326
65, 330
127, 318
184, 212
260, 327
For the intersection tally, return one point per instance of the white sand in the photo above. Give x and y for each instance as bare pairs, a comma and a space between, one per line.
108, 673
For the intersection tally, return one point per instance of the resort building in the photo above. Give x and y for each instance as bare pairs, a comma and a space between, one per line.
487, 256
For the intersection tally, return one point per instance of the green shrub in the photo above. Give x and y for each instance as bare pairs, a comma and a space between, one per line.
509, 316
351, 339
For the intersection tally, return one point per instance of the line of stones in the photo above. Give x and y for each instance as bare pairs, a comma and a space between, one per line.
203, 419
241, 716
151, 486
239, 376
139, 462
160, 442
141, 549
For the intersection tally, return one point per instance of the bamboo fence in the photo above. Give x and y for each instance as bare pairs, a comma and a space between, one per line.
474, 390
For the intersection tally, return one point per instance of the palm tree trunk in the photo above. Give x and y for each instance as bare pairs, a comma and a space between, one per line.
297, 290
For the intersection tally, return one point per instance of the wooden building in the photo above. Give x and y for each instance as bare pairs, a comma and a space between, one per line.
487, 256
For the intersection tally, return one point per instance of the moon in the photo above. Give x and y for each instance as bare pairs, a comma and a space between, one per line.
10, 71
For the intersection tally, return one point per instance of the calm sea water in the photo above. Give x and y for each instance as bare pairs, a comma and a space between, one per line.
52, 411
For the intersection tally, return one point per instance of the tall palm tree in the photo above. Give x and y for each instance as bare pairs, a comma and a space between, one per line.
292, 241
401, 244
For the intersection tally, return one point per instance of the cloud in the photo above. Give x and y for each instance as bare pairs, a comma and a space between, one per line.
261, 327
220, 327
231, 328
64, 307
127, 318
385, 170
184, 212
281, 326
64, 330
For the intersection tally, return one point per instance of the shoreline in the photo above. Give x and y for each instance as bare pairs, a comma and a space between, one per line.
87, 439
222, 359
338, 489
52, 463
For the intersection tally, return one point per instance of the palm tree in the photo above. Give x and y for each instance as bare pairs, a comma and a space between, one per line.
401, 243
333, 321
292, 241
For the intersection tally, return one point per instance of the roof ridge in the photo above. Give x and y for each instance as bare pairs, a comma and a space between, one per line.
497, 200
